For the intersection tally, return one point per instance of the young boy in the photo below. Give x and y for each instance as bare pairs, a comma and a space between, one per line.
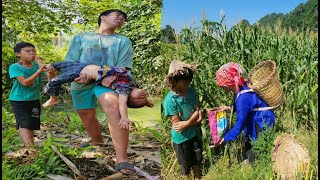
181, 105
123, 84
25, 93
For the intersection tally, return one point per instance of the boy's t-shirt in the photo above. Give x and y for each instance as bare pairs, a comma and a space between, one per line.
184, 107
99, 49
20, 92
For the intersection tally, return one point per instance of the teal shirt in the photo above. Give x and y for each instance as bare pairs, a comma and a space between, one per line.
101, 50
20, 92
184, 107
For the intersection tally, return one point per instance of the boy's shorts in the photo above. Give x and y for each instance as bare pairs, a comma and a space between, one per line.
27, 114
86, 99
186, 154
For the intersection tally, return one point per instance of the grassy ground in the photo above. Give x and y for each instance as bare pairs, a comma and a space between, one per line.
144, 117
147, 117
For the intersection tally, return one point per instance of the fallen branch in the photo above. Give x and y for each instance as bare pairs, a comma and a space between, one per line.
67, 161
113, 176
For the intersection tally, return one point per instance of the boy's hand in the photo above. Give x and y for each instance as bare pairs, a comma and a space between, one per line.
107, 82
200, 117
180, 126
83, 78
42, 69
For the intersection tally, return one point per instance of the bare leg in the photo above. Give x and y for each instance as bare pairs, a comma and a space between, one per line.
123, 109
91, 124
27, 136
120, 136
186, 177
52, 101
196, 171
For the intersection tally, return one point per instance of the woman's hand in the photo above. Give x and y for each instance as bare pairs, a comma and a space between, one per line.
221, 108
107, 82
83, 78
217, 144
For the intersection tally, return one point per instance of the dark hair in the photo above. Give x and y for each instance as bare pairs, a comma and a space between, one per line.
20, 45
105, 13
182, 74
188, 75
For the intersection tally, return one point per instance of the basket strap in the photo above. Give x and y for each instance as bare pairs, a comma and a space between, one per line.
263, 108
255, 109
244, 91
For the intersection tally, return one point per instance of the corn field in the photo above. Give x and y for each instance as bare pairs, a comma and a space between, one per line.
212, 45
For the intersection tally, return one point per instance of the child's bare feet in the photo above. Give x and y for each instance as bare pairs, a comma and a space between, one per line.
50, 102
124, 123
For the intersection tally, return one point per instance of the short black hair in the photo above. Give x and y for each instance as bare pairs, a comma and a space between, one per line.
17, 48
105, 13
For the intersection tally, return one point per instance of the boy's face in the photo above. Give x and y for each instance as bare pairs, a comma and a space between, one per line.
114, 19
27, 54
181, 87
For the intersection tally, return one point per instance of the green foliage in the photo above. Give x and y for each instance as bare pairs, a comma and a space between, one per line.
10, 136
263, 146
303, 17
167, 35
271, 19
211, 46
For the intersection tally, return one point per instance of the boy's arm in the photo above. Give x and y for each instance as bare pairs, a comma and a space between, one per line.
29, 81
195, 118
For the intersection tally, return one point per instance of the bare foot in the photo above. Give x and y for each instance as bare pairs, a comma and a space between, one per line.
50, 102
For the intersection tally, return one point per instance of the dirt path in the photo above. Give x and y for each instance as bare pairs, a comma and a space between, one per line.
98, 162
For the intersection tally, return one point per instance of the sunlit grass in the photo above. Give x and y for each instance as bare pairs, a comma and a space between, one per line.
147, 117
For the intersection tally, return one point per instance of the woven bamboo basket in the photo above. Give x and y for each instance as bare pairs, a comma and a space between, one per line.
290, 157
263, 79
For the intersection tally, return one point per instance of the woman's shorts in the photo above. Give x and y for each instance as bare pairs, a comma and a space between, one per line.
27, 114
187, 153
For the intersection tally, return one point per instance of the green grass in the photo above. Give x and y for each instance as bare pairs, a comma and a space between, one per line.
146, 117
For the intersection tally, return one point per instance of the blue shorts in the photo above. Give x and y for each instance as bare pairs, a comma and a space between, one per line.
86, 99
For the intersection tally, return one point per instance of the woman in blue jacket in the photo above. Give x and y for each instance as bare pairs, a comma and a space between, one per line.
252, 114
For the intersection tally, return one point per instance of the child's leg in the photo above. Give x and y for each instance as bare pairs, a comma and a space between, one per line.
196, 171
69, 73
186, 177
52, 101
27, 136
123, 109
